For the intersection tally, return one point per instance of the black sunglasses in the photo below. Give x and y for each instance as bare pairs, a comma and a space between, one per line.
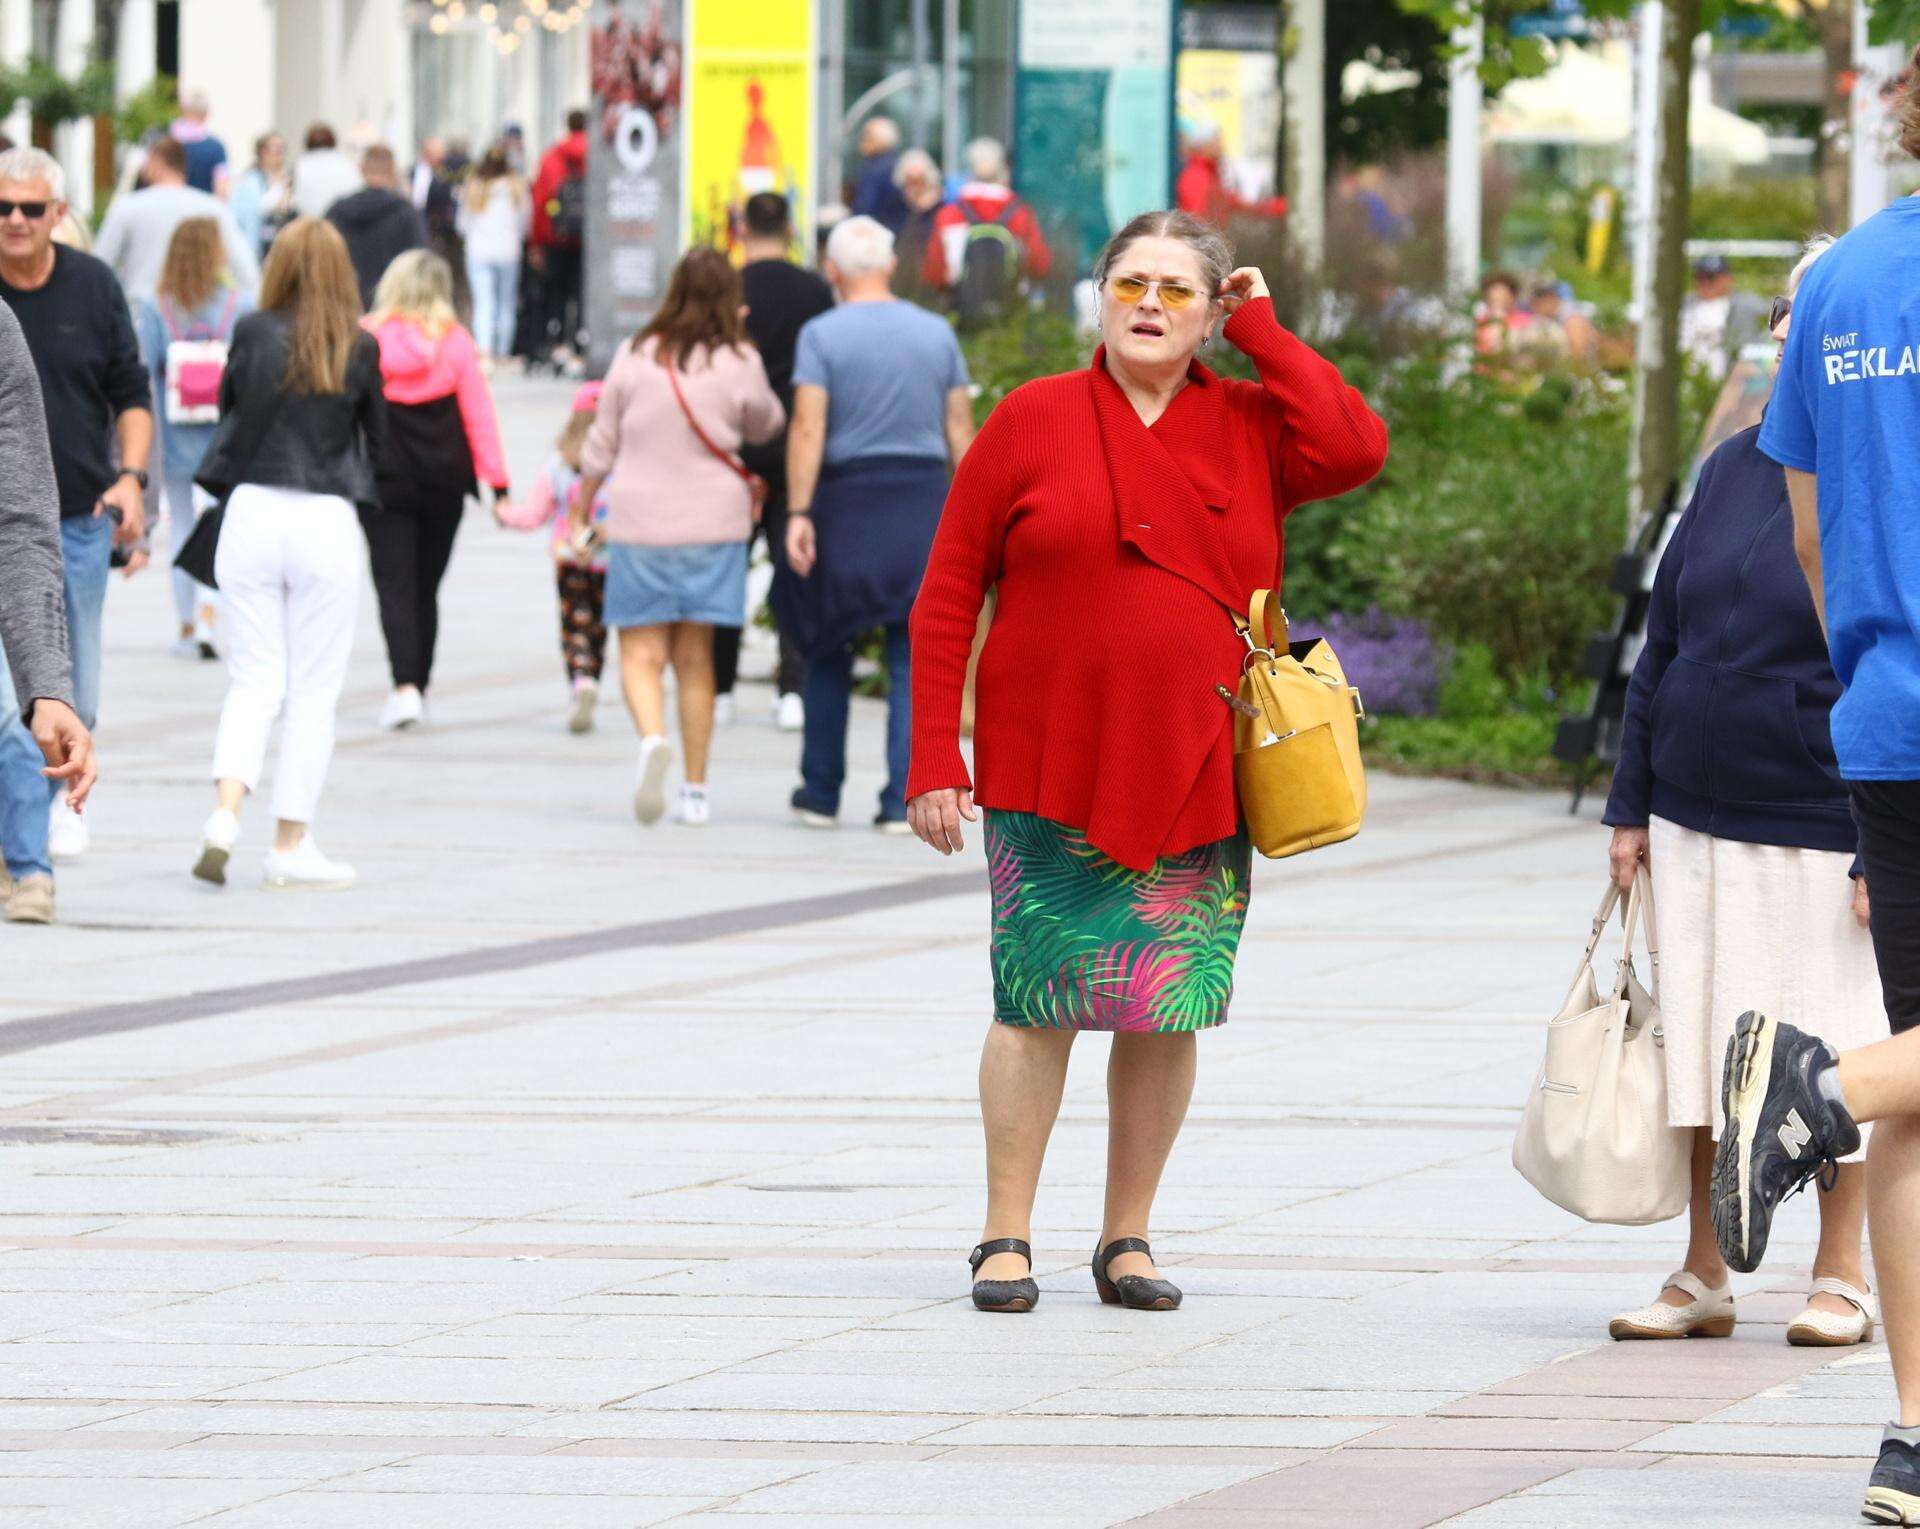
33, 212
1782, 306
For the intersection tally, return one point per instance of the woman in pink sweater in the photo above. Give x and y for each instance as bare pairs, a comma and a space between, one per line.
680, 399
442, 443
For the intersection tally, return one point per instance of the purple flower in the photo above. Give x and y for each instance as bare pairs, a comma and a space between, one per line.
1392, 661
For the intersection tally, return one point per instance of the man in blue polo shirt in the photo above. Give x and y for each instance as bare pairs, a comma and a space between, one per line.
1844, 422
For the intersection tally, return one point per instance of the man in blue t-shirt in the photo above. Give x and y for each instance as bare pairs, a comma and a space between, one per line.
1844, 422
206, 154
882, 413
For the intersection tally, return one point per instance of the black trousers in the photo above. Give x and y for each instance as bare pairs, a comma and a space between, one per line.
410, 539
561, 289
790, 672
1888, 815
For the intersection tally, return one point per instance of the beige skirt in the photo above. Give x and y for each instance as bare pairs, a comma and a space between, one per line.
1753, 926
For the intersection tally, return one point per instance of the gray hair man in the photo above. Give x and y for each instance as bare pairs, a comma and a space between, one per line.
882, 412
92, 382
874, 194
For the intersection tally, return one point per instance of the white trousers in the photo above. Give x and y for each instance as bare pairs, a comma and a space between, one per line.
289, 567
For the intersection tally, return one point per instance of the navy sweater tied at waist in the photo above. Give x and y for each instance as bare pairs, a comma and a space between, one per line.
1726, 719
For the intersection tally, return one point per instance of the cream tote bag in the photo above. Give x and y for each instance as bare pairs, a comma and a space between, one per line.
1594, 1137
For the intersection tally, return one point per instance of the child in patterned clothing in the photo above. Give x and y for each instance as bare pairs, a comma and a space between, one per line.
580, 571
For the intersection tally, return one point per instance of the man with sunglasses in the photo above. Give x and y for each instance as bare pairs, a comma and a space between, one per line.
80, 334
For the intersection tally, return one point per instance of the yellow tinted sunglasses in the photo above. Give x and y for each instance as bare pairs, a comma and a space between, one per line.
1174, 295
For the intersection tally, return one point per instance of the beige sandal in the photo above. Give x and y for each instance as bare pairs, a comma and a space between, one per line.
1814, 1328
1707, 1314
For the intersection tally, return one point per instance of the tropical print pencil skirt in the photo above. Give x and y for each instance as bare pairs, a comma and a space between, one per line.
1081, 942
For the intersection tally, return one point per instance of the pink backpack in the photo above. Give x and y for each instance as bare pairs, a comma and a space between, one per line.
195, 367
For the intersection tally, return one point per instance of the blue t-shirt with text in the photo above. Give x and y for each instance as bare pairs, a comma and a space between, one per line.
887, 368
1846, 407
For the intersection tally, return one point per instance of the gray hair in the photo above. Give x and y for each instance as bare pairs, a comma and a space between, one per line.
914, 162
1817, 246
883, 130
21, 165
860, 246
986, 160
1206, 242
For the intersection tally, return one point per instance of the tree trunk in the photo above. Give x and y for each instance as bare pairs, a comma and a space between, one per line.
1833, 25
1303, 51
1657, 426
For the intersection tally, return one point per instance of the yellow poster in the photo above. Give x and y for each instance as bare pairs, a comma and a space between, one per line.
749, 113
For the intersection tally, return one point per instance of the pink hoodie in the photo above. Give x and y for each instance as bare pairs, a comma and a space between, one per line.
415, 367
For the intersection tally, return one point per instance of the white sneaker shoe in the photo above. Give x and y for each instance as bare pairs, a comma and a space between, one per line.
1707, 1314
790, 713
404, 708
586, 696
305, 869
68, 835
187, 648
723, 710
216, 846
695, 810
650, 785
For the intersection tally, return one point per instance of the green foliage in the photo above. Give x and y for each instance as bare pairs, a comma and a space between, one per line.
1495, 520
1755, 209
1894, 21
147, 111
1022, 346
53, 98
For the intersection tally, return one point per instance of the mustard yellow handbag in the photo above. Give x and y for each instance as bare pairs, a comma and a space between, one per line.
1296, 739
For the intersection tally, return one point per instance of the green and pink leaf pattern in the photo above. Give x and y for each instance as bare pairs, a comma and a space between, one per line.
1083, 943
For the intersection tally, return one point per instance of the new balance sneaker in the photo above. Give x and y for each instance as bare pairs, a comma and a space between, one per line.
1780, 1131
1893, 1491
68, 836
304, 869
586, 696
216, 846
650, 783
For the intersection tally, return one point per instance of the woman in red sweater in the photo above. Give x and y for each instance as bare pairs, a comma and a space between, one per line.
1122, 512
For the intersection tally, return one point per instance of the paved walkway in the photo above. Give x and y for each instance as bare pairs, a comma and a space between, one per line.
565, 1174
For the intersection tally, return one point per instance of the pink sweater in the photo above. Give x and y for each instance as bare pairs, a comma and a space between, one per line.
416, 367
664, 488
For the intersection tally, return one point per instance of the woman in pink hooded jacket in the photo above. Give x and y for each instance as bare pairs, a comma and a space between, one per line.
443, 442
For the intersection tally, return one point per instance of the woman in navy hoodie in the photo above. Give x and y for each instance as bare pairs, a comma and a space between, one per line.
1727, 787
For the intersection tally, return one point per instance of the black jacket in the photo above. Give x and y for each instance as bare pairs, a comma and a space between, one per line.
377, 224
320, 443
1726, 723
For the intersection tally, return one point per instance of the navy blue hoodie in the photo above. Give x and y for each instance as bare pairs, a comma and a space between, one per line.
1726, 721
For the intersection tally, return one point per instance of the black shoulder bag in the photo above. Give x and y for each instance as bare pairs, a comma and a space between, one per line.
196, 557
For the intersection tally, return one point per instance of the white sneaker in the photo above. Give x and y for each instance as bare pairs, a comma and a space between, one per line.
68, 835
404, 708
203, 635
304, 869
790, 713
586, 696
695, 810
650, 785
723, 710
216, 846
187, 648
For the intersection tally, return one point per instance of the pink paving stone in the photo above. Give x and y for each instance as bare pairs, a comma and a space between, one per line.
1508, 1434
1732, 1369
1623, 1409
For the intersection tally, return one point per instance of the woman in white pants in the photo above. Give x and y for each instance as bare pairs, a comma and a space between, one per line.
302, 421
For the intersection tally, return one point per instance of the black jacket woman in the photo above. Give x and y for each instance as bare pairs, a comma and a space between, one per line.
302, 421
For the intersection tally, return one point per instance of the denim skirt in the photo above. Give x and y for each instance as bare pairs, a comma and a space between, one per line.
651, 586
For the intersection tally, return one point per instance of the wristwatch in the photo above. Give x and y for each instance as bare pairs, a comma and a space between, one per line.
138, 475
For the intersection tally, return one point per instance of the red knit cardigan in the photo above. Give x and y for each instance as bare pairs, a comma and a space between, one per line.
1117, 551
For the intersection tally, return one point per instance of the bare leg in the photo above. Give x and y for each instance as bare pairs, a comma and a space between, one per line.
691, 645
1704, 1262
1149, 1082
1843, 1217
1022, 1074
1893, 1218
231, 793
1882, 1080
643, 663
287, 835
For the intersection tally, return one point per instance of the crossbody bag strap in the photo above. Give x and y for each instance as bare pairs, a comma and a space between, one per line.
746, 475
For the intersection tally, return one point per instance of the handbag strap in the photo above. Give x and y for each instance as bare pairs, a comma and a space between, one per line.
740, 468
1265, 627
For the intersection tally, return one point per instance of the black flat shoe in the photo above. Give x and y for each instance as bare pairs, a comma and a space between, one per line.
1132, 1290
1003, 1294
